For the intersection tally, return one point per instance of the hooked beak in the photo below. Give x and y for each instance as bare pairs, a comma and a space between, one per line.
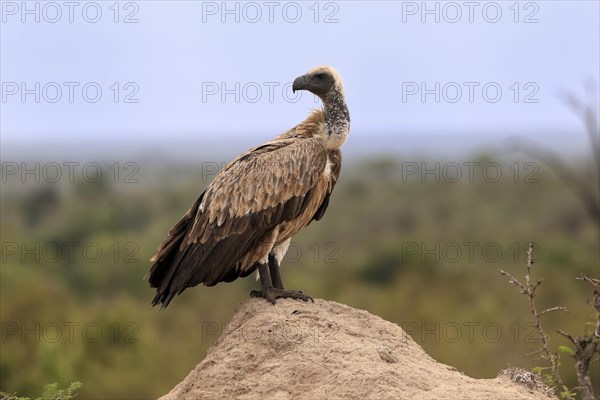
300, 83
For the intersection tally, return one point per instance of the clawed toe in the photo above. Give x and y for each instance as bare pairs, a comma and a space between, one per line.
271, 294
297, 294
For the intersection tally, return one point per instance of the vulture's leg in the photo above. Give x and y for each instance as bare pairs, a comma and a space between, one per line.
275, 274
265, 284
267, 275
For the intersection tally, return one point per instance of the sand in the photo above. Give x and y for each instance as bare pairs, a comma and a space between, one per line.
326, 350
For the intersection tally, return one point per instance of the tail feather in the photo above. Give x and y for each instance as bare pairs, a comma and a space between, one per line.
166, 260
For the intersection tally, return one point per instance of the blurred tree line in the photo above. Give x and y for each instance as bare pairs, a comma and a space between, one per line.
417, 242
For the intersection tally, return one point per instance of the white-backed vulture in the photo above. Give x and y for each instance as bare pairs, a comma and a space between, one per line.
247, 216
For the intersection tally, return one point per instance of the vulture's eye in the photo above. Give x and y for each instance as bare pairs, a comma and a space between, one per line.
321, 76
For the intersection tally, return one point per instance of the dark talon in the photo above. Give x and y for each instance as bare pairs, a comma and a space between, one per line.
272, 293
272, 287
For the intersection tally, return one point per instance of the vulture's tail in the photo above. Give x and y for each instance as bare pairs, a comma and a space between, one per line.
167, 258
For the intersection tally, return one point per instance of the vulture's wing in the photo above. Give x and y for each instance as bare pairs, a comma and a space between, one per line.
266, 186
335, 162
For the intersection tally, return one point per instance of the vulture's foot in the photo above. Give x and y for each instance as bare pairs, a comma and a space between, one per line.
272, 293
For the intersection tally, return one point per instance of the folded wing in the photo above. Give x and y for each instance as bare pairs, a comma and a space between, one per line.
265, 187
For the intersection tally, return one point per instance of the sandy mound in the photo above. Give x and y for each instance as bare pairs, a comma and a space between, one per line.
326, 350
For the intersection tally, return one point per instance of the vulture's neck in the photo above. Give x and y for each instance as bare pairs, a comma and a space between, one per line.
337, 117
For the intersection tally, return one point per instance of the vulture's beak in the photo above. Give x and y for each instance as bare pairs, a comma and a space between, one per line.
300, 83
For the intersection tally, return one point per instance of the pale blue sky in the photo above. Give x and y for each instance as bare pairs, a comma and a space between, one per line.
382, 49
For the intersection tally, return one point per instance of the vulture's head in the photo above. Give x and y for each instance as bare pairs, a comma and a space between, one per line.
322, 81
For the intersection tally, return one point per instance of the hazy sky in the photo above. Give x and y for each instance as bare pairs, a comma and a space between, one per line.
146, 72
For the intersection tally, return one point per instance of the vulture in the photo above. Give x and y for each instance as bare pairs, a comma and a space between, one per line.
245, 219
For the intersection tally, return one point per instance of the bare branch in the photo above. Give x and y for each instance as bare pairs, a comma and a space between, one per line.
538, 283
529, 289
590, 119
514, 281
585, 189
593, 281
586, 193
535, 352
587, 345
557, 308
568, 336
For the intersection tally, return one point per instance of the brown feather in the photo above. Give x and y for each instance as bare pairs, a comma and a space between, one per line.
259, 200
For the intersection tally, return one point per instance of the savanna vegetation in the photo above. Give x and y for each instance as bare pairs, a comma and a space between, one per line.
421, 249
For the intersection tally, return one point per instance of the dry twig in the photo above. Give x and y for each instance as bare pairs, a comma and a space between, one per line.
587, 345
528, 289
586, 189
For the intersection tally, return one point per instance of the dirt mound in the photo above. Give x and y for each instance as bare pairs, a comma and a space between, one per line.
326, 350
